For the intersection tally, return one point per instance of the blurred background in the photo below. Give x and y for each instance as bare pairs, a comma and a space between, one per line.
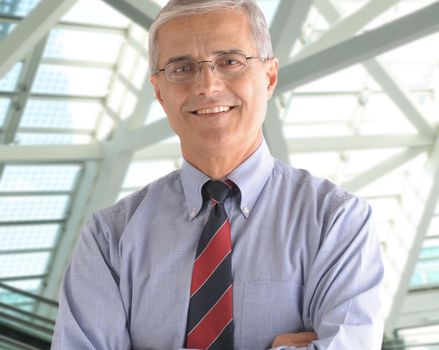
357, 102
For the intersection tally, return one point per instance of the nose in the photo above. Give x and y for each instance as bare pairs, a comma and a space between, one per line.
207, 82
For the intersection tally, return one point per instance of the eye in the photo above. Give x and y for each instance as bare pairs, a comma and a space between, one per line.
230, 63
183, 67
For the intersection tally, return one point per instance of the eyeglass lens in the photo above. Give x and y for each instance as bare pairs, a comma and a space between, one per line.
223, 65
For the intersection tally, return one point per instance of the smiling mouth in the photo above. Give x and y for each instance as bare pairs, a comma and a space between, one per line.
213, 110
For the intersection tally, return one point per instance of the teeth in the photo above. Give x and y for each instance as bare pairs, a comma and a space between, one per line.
213, 110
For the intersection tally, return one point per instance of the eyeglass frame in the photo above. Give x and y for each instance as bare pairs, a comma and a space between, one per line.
211, 65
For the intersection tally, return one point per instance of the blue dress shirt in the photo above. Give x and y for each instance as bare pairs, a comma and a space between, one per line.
305, 258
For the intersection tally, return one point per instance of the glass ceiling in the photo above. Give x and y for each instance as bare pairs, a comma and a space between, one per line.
89, 88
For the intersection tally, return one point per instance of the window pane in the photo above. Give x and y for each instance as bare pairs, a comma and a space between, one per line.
349, 79
22, 178
12, 265
268, 7
5, 28
96, 12
32, 208
427, 267
61, 114
17, 7
28, 237
67, 80
31, 286
51, 139
83, 45
9, 80
310, 109
140, 173
382, 116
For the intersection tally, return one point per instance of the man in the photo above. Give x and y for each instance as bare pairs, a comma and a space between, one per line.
268, 256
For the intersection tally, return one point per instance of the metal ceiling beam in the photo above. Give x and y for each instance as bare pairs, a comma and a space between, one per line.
77, 63
286, 26
389, 84
164, 150
146, 136
382, 168
34, 193
360, 48
19, 102
343, 143
142, 12
414, 249
50, 153
399, 96
31, 30
25, 251
87, 27
95, 151
273, 132
344, 28
285, 30
46, 130
32, 222
20, 278
419, 308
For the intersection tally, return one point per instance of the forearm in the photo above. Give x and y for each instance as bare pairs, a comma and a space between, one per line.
91, 313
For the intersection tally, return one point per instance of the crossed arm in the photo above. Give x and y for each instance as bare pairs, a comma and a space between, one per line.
341, 302
302, 339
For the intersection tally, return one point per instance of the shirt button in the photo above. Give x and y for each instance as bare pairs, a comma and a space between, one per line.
246, 210
192, 214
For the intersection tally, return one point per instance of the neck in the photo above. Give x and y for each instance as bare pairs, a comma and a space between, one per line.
219, 166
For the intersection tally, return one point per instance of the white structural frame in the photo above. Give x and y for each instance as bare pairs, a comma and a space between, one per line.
31, 30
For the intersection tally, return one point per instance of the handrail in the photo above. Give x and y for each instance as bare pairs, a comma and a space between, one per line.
30, 295
27, 313
15, 342
26, 323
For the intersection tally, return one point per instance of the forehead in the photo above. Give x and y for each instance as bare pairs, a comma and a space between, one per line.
205, 34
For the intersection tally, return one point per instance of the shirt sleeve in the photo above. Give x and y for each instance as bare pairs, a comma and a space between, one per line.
343, 297
91, 314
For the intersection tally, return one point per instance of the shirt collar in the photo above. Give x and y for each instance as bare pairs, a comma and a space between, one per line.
250, 177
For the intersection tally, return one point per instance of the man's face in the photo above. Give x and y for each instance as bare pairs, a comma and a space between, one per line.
196, 109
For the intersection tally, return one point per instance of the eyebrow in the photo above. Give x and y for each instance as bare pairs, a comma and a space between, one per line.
178, 58
219, 52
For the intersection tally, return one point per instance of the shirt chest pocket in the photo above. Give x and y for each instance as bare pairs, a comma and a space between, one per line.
269, 308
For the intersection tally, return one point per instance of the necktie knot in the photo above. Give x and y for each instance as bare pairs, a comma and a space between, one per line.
218, 190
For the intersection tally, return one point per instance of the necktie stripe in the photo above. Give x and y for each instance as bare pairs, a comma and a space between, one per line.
223, 340
207, 331
223, 265
206, 297
211, 309
211, 238
211, 257
210, 228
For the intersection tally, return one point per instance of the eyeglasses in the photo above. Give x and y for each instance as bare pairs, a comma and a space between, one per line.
225, 65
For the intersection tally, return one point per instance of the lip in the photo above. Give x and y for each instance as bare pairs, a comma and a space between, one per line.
204, 108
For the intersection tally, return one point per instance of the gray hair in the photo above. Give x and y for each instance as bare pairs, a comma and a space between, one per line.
179, 8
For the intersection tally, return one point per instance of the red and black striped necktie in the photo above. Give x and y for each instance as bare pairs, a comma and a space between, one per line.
210, 316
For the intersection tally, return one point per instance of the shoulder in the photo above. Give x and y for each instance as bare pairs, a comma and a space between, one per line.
318, 193
114, 219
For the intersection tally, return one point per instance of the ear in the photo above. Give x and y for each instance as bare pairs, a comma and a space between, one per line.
156, 85
272, 67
